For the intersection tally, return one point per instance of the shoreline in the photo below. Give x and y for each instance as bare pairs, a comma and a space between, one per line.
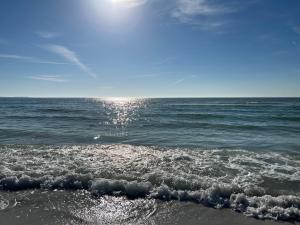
37, 207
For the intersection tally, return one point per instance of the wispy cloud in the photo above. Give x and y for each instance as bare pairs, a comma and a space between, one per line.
28, 59
9, 56
70, 56
51, 78
176, 82
47, 34
181, 80
198, 7
203, 13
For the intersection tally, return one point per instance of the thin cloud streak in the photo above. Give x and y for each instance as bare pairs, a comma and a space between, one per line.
50, 78
47, 34
29, 59
204, 14
70, 56
9, 56
197, 8
177, 82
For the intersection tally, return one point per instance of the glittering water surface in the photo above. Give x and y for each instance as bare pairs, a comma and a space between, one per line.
256, 124
242, 154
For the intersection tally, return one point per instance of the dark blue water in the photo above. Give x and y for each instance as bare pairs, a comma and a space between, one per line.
226, 123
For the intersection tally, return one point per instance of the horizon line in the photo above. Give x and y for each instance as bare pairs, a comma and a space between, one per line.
149, 97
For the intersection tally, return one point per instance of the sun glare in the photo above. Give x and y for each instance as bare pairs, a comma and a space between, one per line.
129, 3
115, 11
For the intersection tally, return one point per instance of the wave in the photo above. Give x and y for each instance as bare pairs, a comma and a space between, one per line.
54, 117
284, 207
248, 182
61, 110
175, 124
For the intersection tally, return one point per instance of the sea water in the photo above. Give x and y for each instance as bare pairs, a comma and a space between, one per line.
238, 153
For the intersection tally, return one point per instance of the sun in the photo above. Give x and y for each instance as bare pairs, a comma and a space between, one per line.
116, 13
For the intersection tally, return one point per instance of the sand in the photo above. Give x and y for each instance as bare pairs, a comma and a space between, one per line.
78, 207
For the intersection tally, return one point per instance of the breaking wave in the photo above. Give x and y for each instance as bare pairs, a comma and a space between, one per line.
259, 184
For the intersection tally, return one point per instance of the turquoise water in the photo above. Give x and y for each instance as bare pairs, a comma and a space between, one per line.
239, 153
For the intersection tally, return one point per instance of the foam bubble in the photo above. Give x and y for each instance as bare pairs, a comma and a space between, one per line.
131, 189
3, 203
263, 185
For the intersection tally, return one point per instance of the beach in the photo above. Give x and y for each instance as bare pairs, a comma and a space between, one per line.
77, 207
149, 161
148, 112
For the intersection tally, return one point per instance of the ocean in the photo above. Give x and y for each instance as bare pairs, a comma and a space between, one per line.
145, 161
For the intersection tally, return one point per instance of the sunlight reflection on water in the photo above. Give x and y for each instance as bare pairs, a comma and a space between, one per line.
122, 111
119, 113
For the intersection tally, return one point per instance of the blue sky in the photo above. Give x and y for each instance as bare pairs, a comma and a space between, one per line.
150, 48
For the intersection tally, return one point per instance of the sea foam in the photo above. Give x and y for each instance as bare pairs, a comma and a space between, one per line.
234, 179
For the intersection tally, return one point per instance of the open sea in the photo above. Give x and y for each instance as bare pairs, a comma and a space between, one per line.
122, 160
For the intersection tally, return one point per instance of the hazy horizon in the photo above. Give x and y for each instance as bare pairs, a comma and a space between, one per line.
149, 97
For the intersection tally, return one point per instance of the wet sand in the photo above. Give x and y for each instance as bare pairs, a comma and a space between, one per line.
78, 207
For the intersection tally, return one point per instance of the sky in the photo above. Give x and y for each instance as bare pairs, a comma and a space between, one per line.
150, 48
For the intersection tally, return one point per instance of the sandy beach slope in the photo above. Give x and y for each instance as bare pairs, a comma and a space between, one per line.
78, 207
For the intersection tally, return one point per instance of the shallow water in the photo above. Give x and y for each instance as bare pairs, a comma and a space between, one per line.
79, 208
242, 154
